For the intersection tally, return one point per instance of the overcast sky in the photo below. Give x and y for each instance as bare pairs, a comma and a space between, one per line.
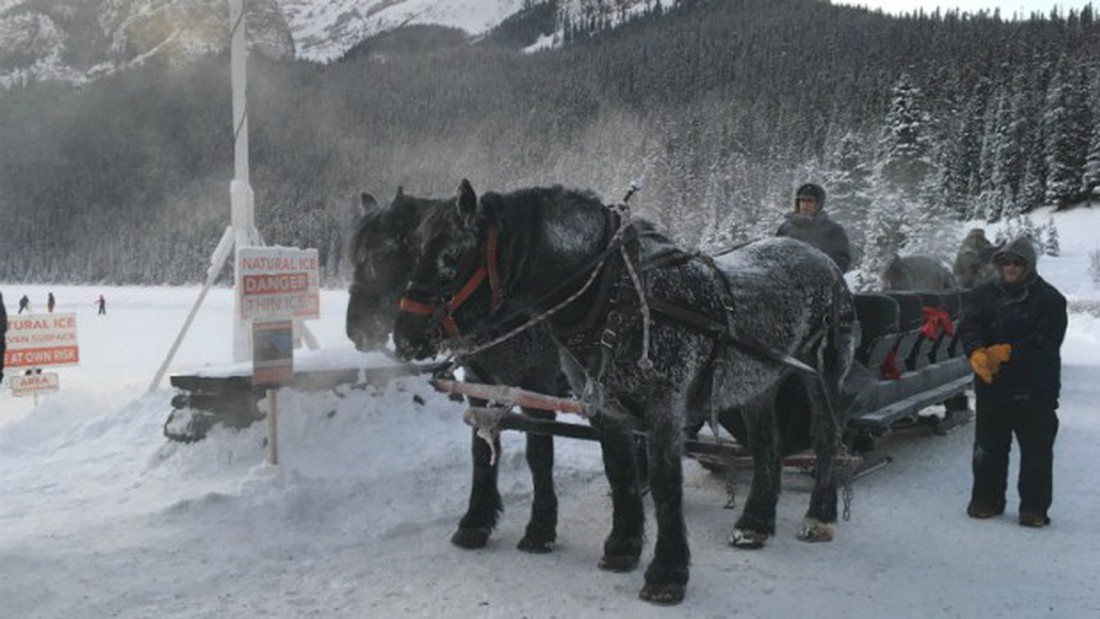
1008, 7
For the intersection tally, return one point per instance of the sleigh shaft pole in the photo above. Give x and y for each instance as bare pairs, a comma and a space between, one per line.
510, 395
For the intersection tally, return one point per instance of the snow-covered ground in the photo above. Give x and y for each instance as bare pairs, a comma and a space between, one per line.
101, 516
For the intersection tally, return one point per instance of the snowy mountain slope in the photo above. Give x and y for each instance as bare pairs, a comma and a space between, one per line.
324, 31
78, 40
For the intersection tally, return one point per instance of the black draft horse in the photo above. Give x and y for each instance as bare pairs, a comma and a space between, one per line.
652, 337
383, 249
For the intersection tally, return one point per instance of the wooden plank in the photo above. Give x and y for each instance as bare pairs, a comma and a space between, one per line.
310, 380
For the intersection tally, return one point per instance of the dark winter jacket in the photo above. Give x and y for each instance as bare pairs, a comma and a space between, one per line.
1030, 315
819, 231
3, 333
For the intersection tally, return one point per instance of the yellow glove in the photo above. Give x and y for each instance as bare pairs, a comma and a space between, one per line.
979, 360
998, 354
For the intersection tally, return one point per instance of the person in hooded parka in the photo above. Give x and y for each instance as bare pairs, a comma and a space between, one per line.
1012, 329
810, 224
972, 262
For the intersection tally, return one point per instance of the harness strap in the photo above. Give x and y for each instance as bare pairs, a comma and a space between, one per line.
744, 341
415, 307
468, 289
491, 261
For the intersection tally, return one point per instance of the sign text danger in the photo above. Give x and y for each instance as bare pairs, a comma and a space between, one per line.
278, 283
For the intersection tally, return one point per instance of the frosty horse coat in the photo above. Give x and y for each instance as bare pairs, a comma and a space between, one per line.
383, 250
917, 272
724, 335
974, 260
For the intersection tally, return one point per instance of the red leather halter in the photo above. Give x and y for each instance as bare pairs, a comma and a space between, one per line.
486, 270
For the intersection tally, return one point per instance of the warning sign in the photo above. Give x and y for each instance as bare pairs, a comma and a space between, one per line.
35, 383
38, 340
272, 353
279, 283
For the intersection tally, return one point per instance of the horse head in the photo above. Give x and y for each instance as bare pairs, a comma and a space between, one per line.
383, 251
449, 249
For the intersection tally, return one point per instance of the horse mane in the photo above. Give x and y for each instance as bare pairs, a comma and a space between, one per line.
396, 217
520, 216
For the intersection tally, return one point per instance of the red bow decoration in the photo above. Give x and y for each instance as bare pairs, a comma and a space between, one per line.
936, 322
889, 369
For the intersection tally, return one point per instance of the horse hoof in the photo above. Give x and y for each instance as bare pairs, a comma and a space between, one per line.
664, 594
619, 563
470, 539
747, 540
535, 545
815, 531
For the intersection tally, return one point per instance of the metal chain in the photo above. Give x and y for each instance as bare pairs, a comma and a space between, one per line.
847, 475
731, 484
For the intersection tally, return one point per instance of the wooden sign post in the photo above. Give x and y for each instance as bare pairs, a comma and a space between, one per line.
272, 367
278, 285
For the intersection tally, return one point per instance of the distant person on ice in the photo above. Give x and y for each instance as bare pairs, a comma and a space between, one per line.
3, 333
50, 302
102, 303
1012, 329
24, 304
810, 224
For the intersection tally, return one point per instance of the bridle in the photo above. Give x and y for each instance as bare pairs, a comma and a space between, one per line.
483, 266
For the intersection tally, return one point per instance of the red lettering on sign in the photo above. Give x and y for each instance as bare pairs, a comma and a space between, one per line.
38, 357
275, 284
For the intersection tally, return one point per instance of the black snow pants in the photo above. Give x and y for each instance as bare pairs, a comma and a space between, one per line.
1035, 425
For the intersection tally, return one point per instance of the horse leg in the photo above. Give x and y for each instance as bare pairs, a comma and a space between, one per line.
542, 528
485, 505
667, 575
820, 518
623, 546
757, 521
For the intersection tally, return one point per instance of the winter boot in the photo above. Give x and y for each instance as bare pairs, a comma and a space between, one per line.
977, 509
1031, 519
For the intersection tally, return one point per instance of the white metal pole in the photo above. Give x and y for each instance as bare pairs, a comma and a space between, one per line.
240, 191
217, 262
